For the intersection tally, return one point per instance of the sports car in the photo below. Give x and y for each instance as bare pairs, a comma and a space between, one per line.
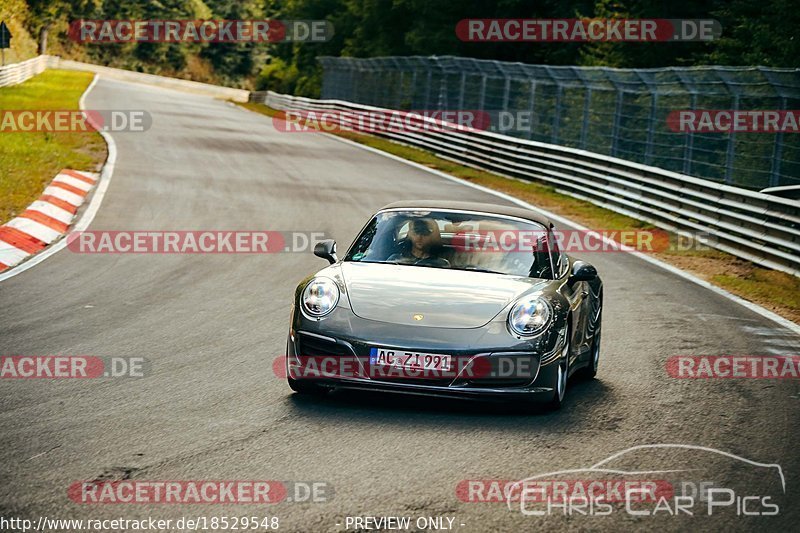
446, 298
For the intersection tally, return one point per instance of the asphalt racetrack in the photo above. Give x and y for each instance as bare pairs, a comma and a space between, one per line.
211, 326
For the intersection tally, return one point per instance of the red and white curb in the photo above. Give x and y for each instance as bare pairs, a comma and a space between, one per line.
47, 219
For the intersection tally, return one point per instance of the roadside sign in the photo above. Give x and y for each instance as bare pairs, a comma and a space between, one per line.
5, 36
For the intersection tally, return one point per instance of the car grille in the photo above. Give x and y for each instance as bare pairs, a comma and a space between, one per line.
308, 345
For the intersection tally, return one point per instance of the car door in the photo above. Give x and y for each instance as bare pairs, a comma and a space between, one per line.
577, 293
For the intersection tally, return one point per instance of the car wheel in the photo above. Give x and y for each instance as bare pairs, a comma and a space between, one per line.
562, 376
590, 370
306, 387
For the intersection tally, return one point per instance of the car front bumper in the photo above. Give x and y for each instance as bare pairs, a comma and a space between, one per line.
492, 364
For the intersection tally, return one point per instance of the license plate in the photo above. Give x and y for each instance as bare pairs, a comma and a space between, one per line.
414, 360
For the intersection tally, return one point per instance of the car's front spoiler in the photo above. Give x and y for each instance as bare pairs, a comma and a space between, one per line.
526, 394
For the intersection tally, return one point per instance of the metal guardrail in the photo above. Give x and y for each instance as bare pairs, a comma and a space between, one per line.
20, 72
25, 70
196, 87
758, 227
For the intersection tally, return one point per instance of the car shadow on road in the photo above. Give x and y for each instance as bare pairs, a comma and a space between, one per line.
405, 410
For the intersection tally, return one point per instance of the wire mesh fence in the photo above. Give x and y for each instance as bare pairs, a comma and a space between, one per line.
619, 112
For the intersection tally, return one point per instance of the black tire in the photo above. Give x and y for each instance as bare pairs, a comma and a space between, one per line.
306, 387
590, 370
562, 376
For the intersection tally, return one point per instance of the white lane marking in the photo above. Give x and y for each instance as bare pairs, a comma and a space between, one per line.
67, 196
53, 211
714, 316
767, 332
766, 313
91, 209
791, 351
10, 255
783, 341
69, 180
34, 229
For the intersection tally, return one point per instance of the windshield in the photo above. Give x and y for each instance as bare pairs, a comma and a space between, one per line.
457, 241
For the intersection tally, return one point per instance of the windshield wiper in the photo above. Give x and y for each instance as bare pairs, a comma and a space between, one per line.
385, 262
478, 269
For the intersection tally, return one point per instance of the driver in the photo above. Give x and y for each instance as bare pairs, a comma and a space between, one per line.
422, 246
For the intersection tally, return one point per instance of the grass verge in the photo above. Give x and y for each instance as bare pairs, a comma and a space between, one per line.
776, 291
30, 160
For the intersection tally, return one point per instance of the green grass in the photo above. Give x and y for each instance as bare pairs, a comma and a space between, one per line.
30, 160
774, 290
762, 284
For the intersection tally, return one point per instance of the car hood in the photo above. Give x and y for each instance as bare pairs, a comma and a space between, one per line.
444, 298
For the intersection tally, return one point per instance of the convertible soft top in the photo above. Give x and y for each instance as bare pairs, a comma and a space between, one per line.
495, 209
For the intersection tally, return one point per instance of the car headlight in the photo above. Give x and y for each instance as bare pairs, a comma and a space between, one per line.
530, 316
320, 297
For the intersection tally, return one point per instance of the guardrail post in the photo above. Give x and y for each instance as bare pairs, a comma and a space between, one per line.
483, 93
399, 99
428, 90
531, 108
557, 115
688, 147
777, 154
413, 89
463, 89
731, 146
616, 127
376, 89
585, 126
651, 126
351, 85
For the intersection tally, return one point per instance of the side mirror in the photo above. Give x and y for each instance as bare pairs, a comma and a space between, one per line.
327, 250
583, 271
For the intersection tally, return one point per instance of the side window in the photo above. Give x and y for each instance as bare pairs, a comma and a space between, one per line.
542, 266
559, 259
361, 247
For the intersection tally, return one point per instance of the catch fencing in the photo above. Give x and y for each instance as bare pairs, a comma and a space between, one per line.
616, 112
